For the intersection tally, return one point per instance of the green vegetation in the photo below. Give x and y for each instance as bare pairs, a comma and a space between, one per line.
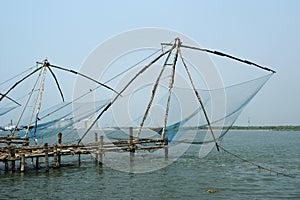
273, 128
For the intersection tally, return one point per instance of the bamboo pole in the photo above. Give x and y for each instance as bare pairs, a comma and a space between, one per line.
131, 148
13, 157
59, 141
177, 43
37, 163
200, 101
22, 163
6, 165
46, 157
55, 158
120, 93
97, 151
153, 94
101, 150
59, 138
79, 159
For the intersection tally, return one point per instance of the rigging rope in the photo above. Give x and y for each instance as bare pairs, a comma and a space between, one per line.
16, 76
35, 101
199, 100
40, 101
255, 164
28, 99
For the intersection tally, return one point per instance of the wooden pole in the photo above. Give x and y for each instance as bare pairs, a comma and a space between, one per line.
131, 148
37, 163
55, 158
59, 141
166, 149
13, 158
97, 151
46, 157
59, 138
22, 163
130, 138
6, 165
79, 155
101, 150
171, 83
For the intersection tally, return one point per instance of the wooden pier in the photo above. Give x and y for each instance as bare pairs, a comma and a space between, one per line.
16, 150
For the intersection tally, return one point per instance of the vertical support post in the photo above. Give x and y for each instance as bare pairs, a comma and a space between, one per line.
59, 141
13, 158
131, 149
37, 163
166, 149
59, 138
171, 83
6, 160
55, 158
46, 157
22, 163
130, 138
79, 159
6, 165
97, 150
101, 149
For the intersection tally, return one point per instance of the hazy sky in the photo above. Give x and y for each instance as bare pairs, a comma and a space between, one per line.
65, 32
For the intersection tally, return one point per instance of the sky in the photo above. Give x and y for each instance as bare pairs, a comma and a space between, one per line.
266, 32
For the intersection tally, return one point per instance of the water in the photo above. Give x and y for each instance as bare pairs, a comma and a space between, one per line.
189, 177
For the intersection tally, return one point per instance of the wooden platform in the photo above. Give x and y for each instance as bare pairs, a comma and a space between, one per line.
17, 150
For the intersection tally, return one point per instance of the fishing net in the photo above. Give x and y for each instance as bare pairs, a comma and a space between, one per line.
185, 120
154, 97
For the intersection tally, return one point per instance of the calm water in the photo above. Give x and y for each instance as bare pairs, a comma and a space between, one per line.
189, 177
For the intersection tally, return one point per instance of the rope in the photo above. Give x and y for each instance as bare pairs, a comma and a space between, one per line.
16, 76
35, 101
255, 164
40, 101
126, 70
28, 99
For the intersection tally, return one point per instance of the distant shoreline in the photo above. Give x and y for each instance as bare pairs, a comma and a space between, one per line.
272, 128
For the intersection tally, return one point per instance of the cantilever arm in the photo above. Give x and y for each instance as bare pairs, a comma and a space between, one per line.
18, 82
83, 75
225, 55
57, 84
10, 99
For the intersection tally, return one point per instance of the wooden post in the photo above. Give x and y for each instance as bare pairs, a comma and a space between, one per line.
46, 157
22, 163
101, 150
131, 149
59, 141
6, 159
79, 155
59, 138
97, 151
6, 165
130, 138
166, 148
55, 158
13, 158
37, 163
